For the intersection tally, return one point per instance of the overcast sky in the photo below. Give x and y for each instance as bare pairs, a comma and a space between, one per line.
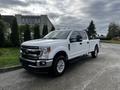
70, 13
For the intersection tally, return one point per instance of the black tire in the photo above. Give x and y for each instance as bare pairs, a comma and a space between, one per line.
54, 69
94, 54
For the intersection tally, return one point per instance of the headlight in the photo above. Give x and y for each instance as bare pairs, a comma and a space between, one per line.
45, 52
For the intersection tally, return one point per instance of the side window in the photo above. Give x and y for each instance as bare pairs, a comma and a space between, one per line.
74, 35
83, 34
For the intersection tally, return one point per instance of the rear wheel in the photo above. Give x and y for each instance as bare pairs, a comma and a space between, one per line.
94, 54
59, 66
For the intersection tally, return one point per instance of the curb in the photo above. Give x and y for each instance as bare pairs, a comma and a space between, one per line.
12, 68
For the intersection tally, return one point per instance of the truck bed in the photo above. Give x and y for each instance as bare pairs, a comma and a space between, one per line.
92, 44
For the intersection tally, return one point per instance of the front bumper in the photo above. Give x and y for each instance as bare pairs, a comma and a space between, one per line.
36, 63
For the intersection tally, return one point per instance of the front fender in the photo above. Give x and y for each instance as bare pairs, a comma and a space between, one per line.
58, 49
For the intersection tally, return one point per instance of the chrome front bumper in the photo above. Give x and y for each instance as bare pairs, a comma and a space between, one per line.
36, 63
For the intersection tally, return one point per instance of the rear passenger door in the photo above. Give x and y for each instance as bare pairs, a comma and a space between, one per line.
85, 42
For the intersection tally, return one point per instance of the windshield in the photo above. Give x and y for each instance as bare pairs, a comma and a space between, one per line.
57, 35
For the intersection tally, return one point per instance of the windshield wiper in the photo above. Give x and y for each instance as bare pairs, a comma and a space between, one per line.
53, 38
49, 38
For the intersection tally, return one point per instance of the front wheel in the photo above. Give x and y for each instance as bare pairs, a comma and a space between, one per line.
94, 54
59, 66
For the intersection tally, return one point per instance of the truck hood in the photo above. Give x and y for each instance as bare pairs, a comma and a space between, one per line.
43, 42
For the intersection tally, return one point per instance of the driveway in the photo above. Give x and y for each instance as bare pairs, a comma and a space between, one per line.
102, 73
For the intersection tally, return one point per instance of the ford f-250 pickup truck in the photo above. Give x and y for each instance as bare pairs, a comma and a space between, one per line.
54, 51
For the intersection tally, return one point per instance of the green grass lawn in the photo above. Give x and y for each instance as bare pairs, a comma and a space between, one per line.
9, 57
111, 41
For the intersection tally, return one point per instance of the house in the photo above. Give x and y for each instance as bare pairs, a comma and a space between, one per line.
34, 19
31, 20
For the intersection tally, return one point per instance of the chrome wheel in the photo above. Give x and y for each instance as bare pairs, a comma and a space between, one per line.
60, 66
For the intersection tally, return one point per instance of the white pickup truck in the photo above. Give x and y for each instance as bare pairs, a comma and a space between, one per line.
54, 51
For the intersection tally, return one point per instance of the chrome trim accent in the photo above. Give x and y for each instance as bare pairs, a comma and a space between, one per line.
28, 60
38, 63
29, 50
48, 63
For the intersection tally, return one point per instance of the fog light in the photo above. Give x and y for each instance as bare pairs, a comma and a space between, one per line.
42, 63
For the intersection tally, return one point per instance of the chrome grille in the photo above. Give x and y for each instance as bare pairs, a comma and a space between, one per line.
31, 52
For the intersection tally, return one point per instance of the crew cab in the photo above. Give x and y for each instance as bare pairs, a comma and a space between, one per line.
53, 52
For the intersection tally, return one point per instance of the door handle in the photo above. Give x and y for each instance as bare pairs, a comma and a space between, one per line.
87, 42
80, 43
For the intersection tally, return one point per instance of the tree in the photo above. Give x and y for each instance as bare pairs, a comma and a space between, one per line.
36, 32
45, 30
2, 35
27, 33
113, 31
22, 28
91, 30
53, 28
14, 33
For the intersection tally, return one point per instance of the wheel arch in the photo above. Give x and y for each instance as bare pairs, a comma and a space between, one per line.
60, 53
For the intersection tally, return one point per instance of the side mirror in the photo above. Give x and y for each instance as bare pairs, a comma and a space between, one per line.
73, 40
79, 38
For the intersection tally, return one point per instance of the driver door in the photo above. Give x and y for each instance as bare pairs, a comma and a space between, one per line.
75, 46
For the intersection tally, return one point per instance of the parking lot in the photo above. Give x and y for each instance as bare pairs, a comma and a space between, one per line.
102, 73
